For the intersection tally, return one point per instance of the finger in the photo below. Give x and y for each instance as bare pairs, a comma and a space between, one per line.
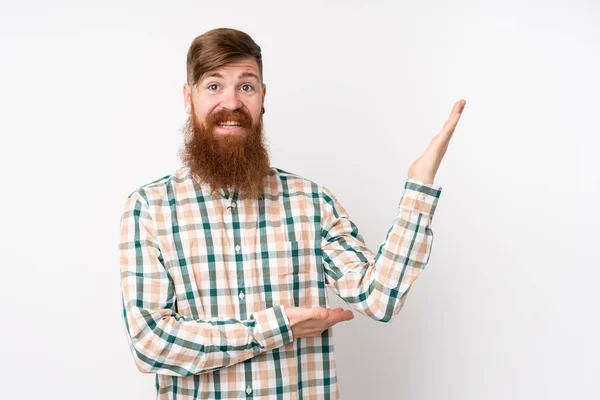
348, 315
344, 315
338, 312
320, 313
450, 125
458, 107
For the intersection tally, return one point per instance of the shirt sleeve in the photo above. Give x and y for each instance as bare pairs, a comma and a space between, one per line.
376, 285
165, 342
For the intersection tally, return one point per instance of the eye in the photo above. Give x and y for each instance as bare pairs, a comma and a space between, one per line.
213, 87
247, 88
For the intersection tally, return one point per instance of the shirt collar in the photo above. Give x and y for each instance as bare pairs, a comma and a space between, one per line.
225, 193
206, 189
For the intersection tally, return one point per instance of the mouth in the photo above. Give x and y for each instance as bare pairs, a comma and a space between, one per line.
228, 127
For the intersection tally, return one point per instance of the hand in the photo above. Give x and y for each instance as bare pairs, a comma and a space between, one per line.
426, 166
310, 322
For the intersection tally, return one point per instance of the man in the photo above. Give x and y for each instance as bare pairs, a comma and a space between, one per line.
225, 262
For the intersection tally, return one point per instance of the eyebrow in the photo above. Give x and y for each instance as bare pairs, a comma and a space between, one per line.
249, 75
243, 75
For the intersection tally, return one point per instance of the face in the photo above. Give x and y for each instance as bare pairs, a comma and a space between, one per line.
224, 143
234, 87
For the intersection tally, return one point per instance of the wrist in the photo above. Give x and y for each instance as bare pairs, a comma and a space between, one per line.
425, 180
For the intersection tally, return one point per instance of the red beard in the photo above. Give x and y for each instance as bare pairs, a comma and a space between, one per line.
235, 161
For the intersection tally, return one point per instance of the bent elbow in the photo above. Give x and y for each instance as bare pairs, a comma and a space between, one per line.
386, 314
386, 318
142, 362
142, 366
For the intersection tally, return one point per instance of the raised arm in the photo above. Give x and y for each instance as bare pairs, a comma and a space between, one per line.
376, 285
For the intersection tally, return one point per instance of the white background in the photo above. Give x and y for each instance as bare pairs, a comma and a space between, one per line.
507, 308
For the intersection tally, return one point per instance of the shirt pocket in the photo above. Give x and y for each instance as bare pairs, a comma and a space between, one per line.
302, 277
301, 257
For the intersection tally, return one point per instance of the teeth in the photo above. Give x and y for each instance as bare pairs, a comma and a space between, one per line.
229, 123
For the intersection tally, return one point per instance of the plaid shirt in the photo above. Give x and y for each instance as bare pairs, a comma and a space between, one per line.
207, 277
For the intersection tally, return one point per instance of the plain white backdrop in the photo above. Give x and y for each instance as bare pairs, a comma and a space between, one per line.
507, 308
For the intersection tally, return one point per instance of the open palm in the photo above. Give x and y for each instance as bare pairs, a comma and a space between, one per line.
426, 166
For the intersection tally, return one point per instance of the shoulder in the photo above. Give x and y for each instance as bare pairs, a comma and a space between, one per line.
297, 183
294, 180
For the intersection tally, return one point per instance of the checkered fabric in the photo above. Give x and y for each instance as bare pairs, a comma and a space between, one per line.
207, 276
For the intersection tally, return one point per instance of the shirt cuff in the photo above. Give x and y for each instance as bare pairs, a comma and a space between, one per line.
420, 197
273, 328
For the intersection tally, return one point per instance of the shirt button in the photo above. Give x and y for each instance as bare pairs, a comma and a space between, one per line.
248, 390
422, 197
241, 295
237, 248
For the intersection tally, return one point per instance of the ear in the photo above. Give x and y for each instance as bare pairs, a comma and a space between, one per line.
264, 92
187, 95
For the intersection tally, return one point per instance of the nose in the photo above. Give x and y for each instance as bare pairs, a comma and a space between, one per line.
231, 100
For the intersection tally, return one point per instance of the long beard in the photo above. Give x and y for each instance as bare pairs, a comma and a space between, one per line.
235, 161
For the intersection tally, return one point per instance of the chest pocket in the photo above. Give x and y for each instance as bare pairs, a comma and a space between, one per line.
302, 257
303, 275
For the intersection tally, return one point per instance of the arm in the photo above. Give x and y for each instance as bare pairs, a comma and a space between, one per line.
376, 285
161, 340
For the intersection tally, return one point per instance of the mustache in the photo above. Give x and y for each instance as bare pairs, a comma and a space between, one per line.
239, 116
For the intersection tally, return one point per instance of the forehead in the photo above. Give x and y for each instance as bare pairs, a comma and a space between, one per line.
235, 70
